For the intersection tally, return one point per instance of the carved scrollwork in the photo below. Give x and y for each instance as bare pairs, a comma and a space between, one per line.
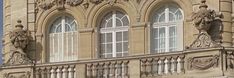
18, 75
203, 62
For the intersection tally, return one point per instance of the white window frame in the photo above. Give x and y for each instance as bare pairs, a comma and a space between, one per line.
62, 33
113, 30
179, 31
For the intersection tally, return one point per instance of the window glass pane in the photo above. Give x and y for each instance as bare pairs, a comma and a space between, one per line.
125, 21
125, 46
119, 14
119, 47
172, 8
109, 48
108, 37
162, 39
125, 36
109, 23
118, 23
171, 17
179, 15
162, 18
102, 38
119, 36
59, 29
119, 54
103, 48
67, 28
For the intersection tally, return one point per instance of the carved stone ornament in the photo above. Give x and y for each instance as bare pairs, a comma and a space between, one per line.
74, 2
206, 22
47, 4
19, 39
96, 1
17, 75
203, 62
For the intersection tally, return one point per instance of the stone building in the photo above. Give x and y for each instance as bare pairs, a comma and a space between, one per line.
118, 39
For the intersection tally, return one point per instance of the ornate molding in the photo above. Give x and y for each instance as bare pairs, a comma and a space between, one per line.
209, 25
203, 62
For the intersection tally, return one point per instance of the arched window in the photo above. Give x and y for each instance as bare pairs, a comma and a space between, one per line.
114, 35
167, 29
63, 40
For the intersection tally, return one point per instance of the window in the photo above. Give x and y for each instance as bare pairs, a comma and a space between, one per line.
63, 40
114, 35
167, 29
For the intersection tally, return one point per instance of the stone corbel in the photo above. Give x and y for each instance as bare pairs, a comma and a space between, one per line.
85, 30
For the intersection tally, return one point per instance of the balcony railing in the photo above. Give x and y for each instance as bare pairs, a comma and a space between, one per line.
56, 71
138, 66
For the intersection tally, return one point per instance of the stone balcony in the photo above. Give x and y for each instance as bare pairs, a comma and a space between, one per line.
201, 63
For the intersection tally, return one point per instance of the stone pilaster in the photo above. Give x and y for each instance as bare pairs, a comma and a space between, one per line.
85, 43
226, 9
137, 39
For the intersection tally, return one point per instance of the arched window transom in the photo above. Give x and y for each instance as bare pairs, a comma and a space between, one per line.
63, 40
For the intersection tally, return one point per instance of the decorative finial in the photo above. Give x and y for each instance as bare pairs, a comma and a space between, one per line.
19, 24
203, 4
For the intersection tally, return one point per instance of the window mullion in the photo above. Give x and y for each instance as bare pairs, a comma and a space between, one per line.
114, 34
63, 32
167, 38
167, 14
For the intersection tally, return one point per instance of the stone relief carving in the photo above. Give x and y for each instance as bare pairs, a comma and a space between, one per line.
230, 60
96, 1
19, 39
74, 2
47, 4
17, 75
208, 23
203, 62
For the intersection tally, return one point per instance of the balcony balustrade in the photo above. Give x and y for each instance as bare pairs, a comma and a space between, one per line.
181, 64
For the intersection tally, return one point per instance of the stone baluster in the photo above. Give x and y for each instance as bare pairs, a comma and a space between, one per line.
174, 63
100, 70
143, 67
149, 65
43, 72
106, 69
65, 71
59, 72
89, 70
38, 73
229, 57
95, 70
112, 69
125, 67
53, 72
48, 70
162, 64
182, 64
169, 65
119, 69
155, 66
72, 71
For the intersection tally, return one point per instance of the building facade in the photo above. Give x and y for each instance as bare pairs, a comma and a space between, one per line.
118, 39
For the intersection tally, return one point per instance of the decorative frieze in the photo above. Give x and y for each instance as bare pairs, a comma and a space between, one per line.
203, 62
